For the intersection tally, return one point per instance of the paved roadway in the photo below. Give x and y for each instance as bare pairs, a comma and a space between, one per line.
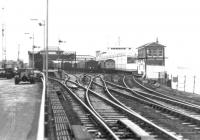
19, 110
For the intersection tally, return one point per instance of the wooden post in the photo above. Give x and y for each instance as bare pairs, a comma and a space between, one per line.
184, 82
177, 83
75, 63
194, 84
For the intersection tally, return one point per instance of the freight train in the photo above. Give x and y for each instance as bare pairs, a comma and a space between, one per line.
107, 66
103, 66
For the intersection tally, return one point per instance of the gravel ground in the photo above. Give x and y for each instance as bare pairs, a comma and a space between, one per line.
19, 105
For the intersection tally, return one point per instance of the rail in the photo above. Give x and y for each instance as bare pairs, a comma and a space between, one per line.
114, 137
173, 111
173, 100
40, 133
88, 99
166, 108
112, 97
131, 112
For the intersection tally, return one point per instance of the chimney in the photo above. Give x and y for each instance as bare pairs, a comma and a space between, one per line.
157, 40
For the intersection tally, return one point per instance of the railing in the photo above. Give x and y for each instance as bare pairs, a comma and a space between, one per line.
40, 133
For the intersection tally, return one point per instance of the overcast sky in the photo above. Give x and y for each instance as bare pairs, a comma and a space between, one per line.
90, 25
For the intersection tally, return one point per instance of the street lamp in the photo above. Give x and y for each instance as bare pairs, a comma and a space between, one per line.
42, 24
59, 42
32, 37
33, 51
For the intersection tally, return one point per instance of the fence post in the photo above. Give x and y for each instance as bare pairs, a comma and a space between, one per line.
177, 83
184, 82
171, 77
194, 85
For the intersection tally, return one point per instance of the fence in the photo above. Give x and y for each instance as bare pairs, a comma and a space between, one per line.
186, 83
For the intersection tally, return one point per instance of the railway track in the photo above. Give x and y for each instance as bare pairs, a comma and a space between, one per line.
169, 93
167, 123
113, 112
57, 118
175, 103
188, 124
90, 122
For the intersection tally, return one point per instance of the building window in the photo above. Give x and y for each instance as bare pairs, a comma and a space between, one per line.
131, 60
160, 52
154, 52
149, 52
155, 62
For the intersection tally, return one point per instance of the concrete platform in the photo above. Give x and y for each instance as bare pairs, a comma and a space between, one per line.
19, 110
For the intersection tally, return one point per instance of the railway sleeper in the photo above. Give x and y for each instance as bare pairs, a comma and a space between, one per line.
136, 129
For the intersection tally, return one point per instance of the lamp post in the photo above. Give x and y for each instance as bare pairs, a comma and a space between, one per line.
42, 23
32, 37
59, 42
33, 51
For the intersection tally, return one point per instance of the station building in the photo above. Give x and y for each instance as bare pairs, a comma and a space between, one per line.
57, 58
125, 57
151, 60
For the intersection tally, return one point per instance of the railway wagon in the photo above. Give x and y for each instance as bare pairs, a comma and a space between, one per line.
81, 65
101, 64
106, 65
67, 66
109, 64
56, 65
51, 65
91, 65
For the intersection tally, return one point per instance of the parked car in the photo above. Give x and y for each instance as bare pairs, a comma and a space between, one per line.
9, 73
25, 75
2, 73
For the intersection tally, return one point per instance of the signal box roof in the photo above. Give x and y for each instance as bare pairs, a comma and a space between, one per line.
153, 44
